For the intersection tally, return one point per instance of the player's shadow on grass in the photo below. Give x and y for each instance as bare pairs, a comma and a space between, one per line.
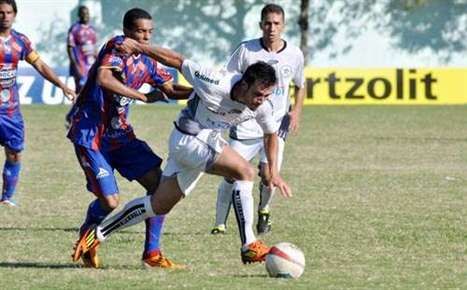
38, 229
75, 230
251, 276
37, 265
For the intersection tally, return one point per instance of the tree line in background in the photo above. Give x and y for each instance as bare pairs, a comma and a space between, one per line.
214, 28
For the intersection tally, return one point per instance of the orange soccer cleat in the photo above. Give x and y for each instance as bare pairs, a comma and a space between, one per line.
90, 259
255, 252
86, 242
157, 260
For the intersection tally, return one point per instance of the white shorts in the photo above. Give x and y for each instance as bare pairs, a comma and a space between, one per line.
190, 156
248, 149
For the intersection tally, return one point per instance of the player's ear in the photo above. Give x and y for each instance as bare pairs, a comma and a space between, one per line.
244, 85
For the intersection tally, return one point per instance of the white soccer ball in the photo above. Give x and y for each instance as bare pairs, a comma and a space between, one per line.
285, 260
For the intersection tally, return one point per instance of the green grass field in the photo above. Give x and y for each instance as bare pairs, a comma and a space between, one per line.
380, 197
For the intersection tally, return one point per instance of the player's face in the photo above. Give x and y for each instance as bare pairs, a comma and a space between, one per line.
141, 31
256, 94
7, 16
272, 26
84, 15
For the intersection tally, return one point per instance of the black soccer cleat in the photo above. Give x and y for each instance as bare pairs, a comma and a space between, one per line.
264, 224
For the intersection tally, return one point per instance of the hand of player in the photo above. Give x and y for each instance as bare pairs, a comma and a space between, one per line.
69, 93
155, 96
294, 124
129, 46
277, 181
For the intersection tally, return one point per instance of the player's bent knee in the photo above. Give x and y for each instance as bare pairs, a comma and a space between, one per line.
111, 202
246, 172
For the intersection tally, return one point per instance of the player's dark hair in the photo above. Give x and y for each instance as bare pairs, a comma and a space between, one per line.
81, 7
262, 72
134, 14
12, 3
272, 8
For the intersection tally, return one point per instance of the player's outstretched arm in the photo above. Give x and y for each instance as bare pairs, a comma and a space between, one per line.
107, 80
271, 145
50, 75
163, 55
169, 91
176, 91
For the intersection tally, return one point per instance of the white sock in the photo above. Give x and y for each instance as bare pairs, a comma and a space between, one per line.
134, 212
266, 194
244, 208
224, 200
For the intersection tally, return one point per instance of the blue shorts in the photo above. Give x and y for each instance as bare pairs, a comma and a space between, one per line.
132, 160
12, 132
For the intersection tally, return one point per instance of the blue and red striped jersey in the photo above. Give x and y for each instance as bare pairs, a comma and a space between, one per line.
100, 117
13, 48
82, 38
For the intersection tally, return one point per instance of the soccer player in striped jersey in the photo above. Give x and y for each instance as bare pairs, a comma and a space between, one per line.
247, 138
104, 140
14, 47
82, 51
220, 100
81, 47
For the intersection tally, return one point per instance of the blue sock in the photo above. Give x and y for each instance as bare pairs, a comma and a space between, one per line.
154, 228
10, 178
96, 213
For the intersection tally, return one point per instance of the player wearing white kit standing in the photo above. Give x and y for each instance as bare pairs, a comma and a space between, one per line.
247, 138
219, 101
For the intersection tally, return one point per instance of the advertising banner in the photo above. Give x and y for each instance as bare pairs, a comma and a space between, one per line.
325, 86
391, 86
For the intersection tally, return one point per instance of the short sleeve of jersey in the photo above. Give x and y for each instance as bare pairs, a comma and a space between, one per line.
299, 77
236, 61
159, 75
201, 78
111, 58
264, 117
26, 46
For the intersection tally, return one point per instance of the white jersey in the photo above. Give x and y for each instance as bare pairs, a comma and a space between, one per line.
210, 105
288, 63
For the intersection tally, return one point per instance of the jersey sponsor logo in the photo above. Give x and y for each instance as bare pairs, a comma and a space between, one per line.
102, 173
123, 101
278, 91
7, 76
206, 78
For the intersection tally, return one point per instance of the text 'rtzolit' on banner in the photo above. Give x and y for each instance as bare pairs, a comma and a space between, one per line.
394, 86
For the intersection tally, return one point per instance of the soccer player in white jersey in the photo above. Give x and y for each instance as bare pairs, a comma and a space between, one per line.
219, 101
247, 137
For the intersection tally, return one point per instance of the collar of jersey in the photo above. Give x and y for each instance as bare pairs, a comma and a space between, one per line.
266, 49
